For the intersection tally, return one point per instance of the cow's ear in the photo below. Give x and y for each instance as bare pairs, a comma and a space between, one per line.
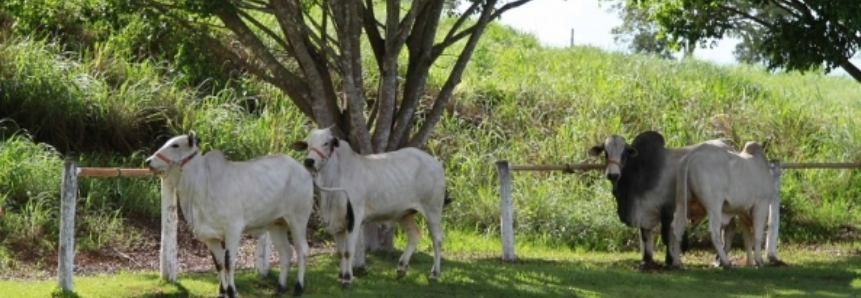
596, 150
299, 146
335, 142
631, 151
193, 141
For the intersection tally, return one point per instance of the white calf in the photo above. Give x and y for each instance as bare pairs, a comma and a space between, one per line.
223, 199
384, 187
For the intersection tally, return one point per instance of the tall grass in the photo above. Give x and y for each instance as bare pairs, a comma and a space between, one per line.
517, 101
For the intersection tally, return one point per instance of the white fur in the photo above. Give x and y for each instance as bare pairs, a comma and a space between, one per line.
223, 199
726, 182
384, 187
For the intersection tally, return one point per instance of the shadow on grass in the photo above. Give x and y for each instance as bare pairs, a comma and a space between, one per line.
490, 277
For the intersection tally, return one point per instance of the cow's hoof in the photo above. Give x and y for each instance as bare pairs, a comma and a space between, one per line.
775, 262
346, 285
298, 290
279, 291
650, 266
726, 266
402, 273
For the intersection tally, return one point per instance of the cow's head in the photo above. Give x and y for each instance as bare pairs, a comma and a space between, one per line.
320, 145
616, 152
175, 153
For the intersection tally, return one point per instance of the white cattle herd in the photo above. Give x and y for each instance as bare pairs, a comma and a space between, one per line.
222, 199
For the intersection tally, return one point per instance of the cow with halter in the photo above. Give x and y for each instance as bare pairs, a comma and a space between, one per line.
385, 187
223, 199
643, 176
726, 182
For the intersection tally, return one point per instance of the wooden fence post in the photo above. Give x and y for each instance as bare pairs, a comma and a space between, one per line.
774, 214
261, 257
168, 252
506, 220
66, 255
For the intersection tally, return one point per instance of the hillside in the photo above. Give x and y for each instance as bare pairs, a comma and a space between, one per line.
104, 105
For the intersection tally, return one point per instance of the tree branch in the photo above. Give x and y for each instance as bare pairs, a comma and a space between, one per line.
748, 16
420, 45
455, 76
290, 23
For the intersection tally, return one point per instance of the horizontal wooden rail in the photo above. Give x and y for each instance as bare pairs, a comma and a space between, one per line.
565, 167
597, 166
113, 172
821, 165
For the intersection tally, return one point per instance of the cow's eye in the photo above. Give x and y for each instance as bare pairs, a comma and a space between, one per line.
175, 145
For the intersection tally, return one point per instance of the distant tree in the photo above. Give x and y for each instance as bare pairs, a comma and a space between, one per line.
800, 35
311, 50
642, 34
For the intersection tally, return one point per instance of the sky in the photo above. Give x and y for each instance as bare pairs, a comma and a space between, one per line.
552, 21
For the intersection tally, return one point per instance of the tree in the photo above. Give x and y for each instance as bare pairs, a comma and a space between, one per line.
800, 35
639, 31
313, 55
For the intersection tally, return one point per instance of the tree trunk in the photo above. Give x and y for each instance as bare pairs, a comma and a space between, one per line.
852, 70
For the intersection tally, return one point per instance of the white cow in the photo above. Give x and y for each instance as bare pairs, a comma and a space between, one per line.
385, 187
223, 199
726, 182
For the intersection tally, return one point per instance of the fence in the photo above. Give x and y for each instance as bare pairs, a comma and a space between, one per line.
504, 169
168, 251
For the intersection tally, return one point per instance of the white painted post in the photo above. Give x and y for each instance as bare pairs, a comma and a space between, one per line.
66, 255
261, 257
168, 251
774, 215
506, 217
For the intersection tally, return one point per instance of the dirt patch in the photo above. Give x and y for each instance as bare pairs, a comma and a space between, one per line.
142, 254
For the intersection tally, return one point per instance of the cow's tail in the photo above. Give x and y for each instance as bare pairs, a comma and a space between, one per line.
351, 217
682, 191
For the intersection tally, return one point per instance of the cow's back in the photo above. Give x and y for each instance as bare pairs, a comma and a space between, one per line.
264, 187
389, 183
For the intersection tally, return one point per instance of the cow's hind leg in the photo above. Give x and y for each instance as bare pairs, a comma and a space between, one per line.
216, 250
408, 223
298, 228
434, 222
760, 218
278, 235
715, 224
727, 232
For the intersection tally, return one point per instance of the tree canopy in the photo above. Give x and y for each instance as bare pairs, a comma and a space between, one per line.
798, 35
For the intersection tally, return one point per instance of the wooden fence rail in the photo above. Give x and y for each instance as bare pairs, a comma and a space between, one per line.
168, 252
504, 169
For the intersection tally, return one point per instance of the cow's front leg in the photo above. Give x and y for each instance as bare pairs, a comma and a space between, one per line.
647, 246
216, 250
350, 248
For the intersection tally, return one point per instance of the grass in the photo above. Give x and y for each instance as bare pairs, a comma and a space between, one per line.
472, 268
